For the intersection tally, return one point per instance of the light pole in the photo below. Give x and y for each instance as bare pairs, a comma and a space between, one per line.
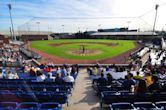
86, 29
99, 26
38, 27
10, 32
78, 29
156, 8
128, 24
11, 20
48, 29
62, 28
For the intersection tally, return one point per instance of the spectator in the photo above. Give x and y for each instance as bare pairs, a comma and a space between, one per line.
32, 72
49, 78
148, 79
107, 68
101, 81
128, 82
109, 79
89, 70
15, 75
41, 77
73, 70
58, 79
141, 87
155, 86
94, 71
68, 78
137, 76
9, 75
63, 72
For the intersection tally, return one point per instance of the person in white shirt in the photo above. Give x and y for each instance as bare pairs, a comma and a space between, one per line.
40, 78
68, 78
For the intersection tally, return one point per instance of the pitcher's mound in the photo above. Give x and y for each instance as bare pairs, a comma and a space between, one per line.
85, 52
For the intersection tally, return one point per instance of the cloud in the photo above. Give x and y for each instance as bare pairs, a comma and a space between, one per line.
46, 11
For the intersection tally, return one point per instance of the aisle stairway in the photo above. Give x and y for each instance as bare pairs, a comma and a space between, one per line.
83, 97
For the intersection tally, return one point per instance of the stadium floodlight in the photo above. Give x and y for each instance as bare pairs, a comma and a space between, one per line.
38, 27
62, 28
78, 29
12, 27
156, 8
99, 26
128, 24
86, 29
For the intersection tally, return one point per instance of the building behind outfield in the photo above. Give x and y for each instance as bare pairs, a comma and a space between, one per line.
130, 35
34, 37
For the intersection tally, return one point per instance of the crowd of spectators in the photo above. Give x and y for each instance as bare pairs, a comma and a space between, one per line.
8, 73
138, 78
9, 56
51, 73
43, 73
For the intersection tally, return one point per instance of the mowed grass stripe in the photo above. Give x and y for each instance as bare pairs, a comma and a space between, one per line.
61, 51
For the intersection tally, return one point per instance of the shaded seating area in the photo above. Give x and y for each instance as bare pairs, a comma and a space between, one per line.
27, 94
30, 106
109, 97
26, 91
134, 106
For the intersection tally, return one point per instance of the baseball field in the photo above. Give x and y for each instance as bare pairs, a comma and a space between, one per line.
83, 50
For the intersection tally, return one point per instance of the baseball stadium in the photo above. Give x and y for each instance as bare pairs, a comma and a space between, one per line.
82, 55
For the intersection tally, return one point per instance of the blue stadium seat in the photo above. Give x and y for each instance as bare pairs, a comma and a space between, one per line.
122, 106
9, 97
127, 97
161, 105
66, 89
27, 97
27, 106
108, 97
8, 105
102, 88
60, 98
145, 106
50, 106
159, 96
43, 97
145, 97
4, 91
6, 108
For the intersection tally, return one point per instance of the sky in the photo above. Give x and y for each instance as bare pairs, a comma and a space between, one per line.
75, 15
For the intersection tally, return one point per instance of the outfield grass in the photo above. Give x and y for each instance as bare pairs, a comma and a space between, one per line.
106, 51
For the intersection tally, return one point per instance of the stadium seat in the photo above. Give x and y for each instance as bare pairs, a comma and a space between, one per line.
108, 97
60, 98
63, 89
43, 97
102, 88
122, 106
6, 108
9, 97
27, 106
8, 105
127, 97
145, 106
159, 97
147, 97
50, 106
4, 91
27, 97
161, 105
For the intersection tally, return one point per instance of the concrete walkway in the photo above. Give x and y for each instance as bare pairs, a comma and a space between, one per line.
83, 97
145, 58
